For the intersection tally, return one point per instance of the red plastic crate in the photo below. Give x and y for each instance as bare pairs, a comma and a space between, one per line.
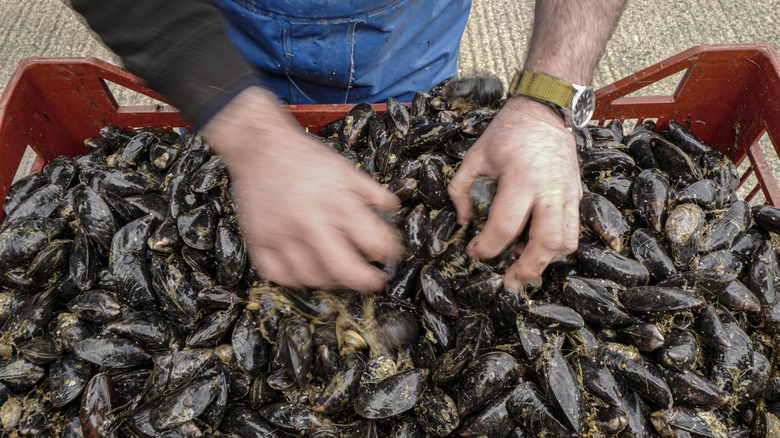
729, 96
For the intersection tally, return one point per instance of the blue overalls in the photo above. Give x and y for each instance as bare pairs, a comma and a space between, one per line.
348, 51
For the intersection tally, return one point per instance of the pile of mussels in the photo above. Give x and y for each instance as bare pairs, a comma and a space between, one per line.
128, 307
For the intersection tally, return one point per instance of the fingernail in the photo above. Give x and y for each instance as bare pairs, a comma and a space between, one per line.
390, 267
512, 283
514, 288
470, 249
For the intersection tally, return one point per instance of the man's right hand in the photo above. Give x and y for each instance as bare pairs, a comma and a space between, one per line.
308, 216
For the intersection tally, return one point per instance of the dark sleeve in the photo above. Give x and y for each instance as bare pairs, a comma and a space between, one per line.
177, 46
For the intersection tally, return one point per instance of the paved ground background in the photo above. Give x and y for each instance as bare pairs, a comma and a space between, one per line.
495, 41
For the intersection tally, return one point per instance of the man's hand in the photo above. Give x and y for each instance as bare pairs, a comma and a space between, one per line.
531, 155
307, 215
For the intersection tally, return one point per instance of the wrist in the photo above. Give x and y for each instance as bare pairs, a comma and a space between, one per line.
560, 68
524, 106
248, 124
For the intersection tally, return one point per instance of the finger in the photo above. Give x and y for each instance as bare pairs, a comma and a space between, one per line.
271, 265
545, 242
519, 248
377, 241
348, 268
374, 194
570, 225
508, 214
459, 188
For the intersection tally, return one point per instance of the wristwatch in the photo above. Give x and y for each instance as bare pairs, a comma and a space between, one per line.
575, 103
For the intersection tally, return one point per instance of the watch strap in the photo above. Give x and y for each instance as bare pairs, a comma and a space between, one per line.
542, 87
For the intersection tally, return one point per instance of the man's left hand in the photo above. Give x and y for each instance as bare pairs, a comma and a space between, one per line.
528, 151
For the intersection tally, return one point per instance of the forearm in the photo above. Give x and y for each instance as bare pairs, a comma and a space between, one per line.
177, 46
569, 37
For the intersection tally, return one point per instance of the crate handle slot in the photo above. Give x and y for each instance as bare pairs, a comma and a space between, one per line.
132, 100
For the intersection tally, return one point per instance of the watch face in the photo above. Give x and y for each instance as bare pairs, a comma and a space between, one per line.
583, 105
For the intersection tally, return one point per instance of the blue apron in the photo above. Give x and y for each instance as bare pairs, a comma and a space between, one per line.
348, 51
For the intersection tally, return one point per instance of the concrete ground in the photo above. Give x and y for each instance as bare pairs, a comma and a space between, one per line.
495, 41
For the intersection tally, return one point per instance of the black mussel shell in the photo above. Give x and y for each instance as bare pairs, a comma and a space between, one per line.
21, 190
393, 395
651, 198
96, 217
197, 227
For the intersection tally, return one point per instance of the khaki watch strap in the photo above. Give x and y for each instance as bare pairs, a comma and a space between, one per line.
542, 87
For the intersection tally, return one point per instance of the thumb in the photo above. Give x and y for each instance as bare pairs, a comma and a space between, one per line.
459, 188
